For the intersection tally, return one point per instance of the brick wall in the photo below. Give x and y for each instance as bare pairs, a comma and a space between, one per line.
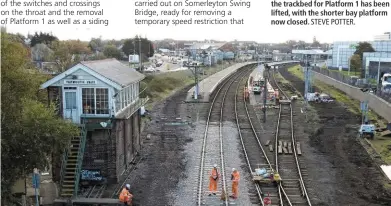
128, 140
95, 155
111, 151
120, 131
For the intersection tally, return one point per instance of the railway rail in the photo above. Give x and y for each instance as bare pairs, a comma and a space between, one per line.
212, 147
286, 154
254, 152
96, 191
118, 189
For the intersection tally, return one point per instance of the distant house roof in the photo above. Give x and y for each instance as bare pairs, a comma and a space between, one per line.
110, 71
205, 46
164, 50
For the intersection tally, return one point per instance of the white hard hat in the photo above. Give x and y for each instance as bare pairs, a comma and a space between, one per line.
127, 186
233, 169
215, 165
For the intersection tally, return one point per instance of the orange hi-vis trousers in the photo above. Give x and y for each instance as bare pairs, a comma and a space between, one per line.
235, 189
212, 185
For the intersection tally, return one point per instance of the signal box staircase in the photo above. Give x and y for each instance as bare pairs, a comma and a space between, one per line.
71, 165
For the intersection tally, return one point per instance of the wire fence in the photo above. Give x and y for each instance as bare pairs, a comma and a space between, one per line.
355, 81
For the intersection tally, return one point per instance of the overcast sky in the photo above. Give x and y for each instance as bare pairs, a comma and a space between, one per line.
120, 14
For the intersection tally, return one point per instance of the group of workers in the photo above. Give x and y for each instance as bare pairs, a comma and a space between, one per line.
126, 197
214, 177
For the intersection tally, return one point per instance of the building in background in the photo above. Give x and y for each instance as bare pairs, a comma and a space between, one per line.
382, 37
342, 51
103, 98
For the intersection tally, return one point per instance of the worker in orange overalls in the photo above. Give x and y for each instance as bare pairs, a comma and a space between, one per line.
235, 177
246, 94
214, 176
125, 196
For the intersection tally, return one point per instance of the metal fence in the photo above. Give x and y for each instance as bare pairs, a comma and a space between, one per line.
354, 81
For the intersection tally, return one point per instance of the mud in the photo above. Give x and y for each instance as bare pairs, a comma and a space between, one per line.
163, 158
336, 169
339, 170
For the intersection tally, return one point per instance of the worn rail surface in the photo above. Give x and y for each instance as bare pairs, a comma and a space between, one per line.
212, 147
286, 154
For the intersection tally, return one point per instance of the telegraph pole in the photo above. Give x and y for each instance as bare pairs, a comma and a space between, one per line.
196, 78
266, 67
307, 75
140, 59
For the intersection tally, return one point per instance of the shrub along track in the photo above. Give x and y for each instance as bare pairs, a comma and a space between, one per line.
356, 180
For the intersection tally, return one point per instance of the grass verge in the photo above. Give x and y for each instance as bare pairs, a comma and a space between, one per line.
382, 145
160, 86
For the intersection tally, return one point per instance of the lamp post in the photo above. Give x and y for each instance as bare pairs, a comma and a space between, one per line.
140, 59
378, 75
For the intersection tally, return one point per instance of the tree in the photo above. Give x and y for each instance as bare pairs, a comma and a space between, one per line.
77, 47
315, 43
42, 38
355, 63
363, 47
96, 44
41, 52
132, 46
68, 53
360, 49
111, 51
63, 55
31, 131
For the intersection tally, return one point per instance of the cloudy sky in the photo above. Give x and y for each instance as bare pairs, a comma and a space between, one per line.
257, 18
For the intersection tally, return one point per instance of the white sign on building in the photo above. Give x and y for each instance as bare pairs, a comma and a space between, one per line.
134, 58
77, 81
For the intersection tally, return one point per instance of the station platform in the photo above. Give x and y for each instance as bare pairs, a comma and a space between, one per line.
209, 84
256, 74
88, 201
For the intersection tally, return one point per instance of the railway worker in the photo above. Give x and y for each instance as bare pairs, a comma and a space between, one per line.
214, 176
125, 195
235, 177
246, 94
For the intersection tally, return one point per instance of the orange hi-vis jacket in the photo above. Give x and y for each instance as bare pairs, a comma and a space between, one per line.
235, 183
125, 195
236, 176
214, 174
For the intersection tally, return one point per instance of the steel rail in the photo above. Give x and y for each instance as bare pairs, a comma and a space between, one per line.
220, 137
241, 140
293, 141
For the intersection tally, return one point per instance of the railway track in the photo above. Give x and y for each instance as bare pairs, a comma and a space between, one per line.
254, 152
96, 191
286, 155
212, 147
118, 189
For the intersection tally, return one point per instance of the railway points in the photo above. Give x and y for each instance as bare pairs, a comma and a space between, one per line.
209, 84
288, 166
